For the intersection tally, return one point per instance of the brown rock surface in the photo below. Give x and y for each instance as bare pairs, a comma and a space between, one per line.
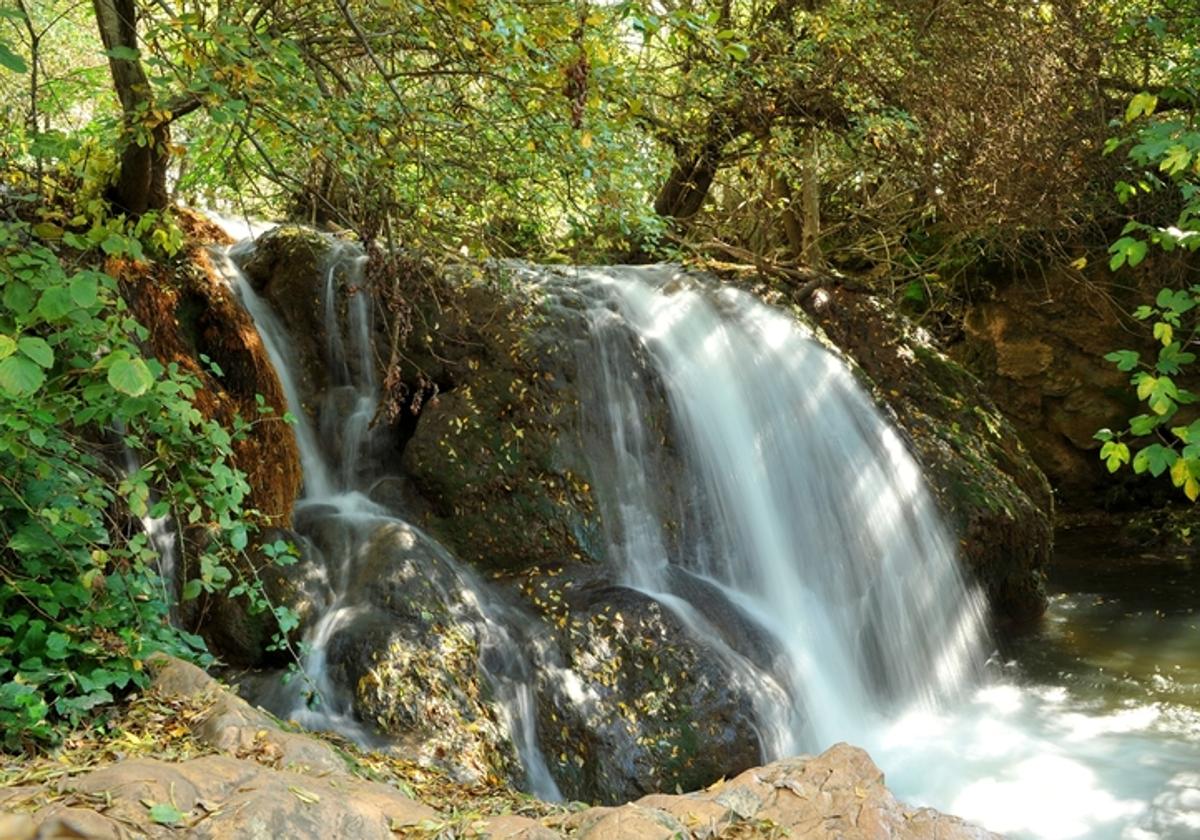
262, 782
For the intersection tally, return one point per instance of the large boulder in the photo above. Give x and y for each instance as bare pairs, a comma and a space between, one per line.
994, 496
632, 703
497, 451
410, 646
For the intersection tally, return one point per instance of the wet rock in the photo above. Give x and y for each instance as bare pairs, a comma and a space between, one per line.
285, 268
410, 648
988, 486
636, 705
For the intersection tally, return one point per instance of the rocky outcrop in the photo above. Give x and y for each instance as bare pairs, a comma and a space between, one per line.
1039, 344
237, 774
195, 322
635, 704
991, 491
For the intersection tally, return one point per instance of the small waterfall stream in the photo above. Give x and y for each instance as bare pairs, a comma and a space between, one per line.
333, 491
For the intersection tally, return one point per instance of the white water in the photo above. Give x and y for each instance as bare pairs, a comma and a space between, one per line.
162, 536
333, 490
812, 516
796, 500
800, 501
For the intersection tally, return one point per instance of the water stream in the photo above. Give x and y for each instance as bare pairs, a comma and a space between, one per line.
336, 471
737, 460
800, 503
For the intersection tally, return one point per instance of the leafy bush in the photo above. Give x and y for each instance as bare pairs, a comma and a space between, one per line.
1162, 135
82, 600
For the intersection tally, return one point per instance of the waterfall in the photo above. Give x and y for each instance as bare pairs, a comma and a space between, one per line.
794, 498
337, 467
750, 485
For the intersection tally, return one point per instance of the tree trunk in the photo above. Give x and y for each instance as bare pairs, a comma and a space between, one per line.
810, 197
142, 180
686, 187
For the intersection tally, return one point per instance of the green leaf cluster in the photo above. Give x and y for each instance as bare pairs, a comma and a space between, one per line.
83, 597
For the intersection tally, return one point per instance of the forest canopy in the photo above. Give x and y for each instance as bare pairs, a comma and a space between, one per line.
902, 137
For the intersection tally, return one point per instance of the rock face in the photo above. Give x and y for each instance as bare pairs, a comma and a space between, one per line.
991, 491
254, 780
634, 705
1039, 346
192, 314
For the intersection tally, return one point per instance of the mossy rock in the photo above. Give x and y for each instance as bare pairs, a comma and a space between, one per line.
994, 496
635, 705
496, 452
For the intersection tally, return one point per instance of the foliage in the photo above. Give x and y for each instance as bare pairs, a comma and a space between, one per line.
1162, 137
97, 442
577, 131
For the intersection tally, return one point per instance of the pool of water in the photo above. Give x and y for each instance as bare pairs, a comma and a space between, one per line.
1090, 726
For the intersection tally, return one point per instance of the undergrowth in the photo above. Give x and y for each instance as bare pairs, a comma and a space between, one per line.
97, 439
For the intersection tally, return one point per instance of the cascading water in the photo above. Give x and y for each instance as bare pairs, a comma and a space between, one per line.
803, 506
332, 494
738, 461
783, 488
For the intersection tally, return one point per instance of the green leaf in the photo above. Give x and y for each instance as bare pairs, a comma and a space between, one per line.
1156, 458
7, 347
1125, 360
1144, 424
238, 537
19, 377
1164, 332
56, 645
165, 813
18, 297
37, 350
130, 376
1114, 454
85, 290
1126, 250
55, 303
1142, 103
191, 590
1176, 159
738, 52
11, 61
